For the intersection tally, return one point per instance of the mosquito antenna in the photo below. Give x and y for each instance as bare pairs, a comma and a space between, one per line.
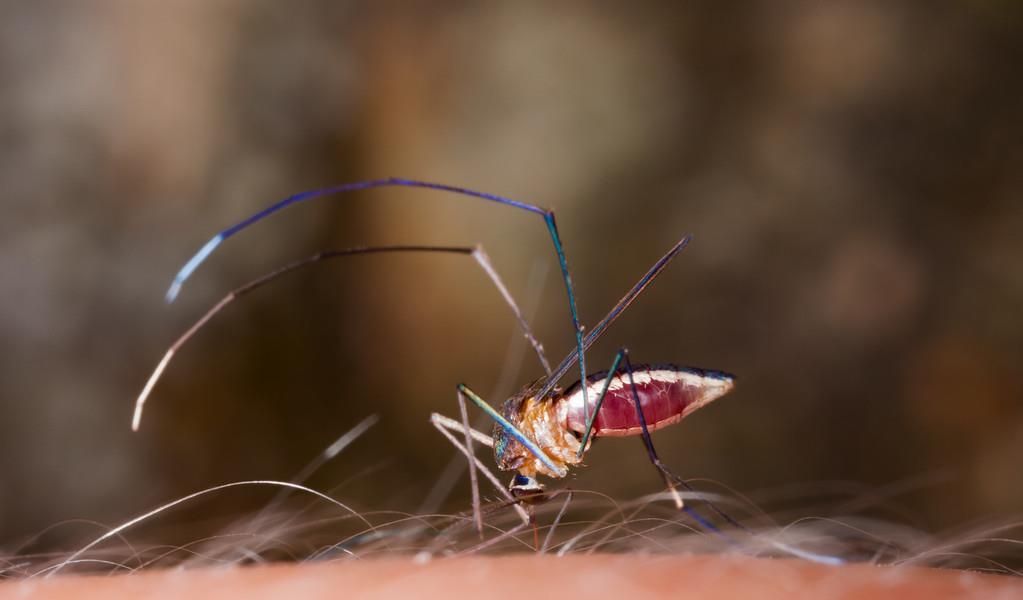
476, 252
548, 217
615, 312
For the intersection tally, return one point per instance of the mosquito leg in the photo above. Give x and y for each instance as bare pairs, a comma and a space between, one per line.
484, 262
476, 514
477, 253
514, 432
548, 216
445, 482
669, 478
453, 425
591, 418
210, 246
445, 425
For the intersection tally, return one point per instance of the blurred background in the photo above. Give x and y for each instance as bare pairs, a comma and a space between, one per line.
851, 173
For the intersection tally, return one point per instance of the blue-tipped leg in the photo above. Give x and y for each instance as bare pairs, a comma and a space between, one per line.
192, 264
206, 250
548, 215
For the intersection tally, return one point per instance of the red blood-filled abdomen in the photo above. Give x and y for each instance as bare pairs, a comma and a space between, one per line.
666, 392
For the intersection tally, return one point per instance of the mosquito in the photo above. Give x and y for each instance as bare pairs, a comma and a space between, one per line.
544, 429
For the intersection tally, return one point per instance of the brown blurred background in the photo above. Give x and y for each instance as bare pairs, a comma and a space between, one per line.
851, 173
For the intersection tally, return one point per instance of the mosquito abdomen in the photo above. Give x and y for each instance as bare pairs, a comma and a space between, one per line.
667, 393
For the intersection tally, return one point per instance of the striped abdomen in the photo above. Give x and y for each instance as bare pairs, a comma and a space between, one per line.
667, 393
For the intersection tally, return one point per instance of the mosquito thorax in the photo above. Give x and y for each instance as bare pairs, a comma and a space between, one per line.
542, 421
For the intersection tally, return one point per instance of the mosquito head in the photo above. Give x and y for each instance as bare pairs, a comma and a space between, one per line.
509, 453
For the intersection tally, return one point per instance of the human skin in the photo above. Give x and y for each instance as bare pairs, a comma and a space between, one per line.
623, 577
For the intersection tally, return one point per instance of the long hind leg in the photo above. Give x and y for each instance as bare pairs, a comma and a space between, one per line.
670, 479
591, 418
548, 216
